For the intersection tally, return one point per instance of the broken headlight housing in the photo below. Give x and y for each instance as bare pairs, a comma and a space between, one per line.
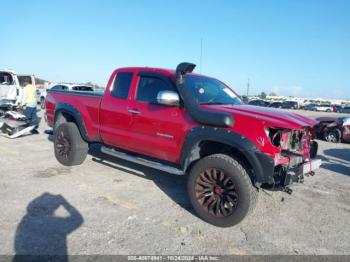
291, 140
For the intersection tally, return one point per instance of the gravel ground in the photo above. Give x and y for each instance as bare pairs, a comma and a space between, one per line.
115, 207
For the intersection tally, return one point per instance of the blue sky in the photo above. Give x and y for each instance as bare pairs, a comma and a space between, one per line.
291, 47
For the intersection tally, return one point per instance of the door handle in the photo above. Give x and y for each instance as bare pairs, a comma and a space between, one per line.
134, 111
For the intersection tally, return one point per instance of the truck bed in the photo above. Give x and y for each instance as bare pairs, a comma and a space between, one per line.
87, 104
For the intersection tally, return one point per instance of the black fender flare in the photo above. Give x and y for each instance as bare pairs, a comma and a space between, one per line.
262, 165
75, 114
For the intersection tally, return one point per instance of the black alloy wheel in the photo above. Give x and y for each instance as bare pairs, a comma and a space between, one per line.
216, 192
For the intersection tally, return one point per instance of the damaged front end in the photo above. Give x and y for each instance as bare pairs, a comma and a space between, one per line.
295, 155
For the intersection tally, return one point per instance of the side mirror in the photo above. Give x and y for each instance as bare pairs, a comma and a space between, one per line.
168, 98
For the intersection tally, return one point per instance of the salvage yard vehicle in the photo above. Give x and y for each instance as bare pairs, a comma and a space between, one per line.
290, 105
259, 102
10, 91
345, 109
26, 78
185, 123
63, 86
276, 105
323, 108
333, 129
309, 107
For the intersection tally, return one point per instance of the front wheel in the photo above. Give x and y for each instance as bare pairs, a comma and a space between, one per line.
70, 148
220, 190
332, 135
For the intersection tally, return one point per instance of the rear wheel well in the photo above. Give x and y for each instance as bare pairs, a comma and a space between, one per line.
206, 148
63, 117
67, 117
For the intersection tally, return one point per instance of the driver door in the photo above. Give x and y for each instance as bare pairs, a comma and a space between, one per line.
156, 130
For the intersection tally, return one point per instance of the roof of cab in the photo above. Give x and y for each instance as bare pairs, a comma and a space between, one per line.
164, 71
148, 69
8, 71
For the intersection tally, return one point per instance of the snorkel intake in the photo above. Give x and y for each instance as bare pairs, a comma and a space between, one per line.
203, 116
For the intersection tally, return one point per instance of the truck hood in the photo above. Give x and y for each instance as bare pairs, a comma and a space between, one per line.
272, 117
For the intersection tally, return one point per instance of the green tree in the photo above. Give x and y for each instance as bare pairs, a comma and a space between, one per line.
262, 95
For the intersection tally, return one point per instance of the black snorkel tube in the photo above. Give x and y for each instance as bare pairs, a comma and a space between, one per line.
203, 116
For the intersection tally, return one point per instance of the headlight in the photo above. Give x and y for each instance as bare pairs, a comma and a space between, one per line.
275, 135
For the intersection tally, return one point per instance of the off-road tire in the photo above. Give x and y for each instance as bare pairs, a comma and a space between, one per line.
332, 135
247, 194
67, 136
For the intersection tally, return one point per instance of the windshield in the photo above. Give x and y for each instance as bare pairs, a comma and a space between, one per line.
210, 91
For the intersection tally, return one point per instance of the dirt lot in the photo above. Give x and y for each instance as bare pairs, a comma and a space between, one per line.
115, 207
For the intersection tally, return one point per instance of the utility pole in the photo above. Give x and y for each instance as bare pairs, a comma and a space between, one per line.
248, 86
201, 55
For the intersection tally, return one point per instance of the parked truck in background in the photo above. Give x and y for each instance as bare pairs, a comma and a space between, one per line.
63, 86
10, 90
11, 85
184, 123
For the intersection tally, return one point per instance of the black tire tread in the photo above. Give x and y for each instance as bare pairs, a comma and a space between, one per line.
244, 179
244, 176
335, 130
80, 147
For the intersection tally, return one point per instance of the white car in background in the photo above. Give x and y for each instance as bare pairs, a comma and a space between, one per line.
63, 86
323, 108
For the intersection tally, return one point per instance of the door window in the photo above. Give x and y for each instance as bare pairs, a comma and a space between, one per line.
149, 87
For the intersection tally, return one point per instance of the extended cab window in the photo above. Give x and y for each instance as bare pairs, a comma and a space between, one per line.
122, 84
149, 88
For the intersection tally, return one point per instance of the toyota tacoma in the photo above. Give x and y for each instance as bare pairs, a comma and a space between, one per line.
187, 124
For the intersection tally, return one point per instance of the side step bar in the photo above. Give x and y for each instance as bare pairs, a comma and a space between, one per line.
142, 161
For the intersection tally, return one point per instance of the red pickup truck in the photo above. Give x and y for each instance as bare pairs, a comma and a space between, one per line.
186, 123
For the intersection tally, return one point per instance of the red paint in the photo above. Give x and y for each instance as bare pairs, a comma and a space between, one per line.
160, 131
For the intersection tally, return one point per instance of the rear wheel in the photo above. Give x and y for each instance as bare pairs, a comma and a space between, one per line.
221, 191
70, 148
332, 135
